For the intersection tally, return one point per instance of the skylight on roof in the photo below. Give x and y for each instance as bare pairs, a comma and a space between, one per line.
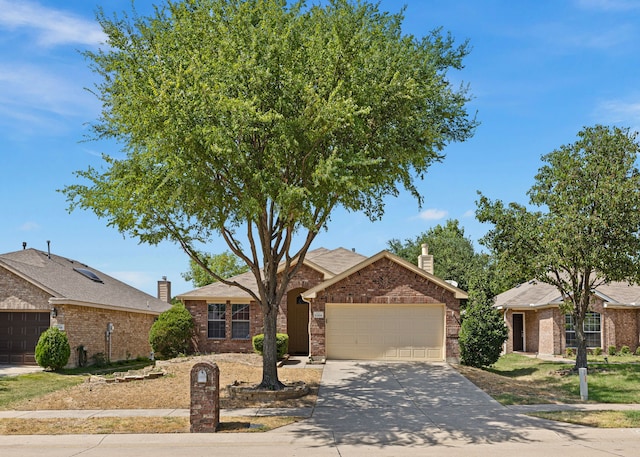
89, 274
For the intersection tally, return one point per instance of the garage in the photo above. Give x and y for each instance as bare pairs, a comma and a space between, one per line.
385, 332
19, 334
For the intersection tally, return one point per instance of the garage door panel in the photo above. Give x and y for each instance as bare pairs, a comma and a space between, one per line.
19, 334
386, 332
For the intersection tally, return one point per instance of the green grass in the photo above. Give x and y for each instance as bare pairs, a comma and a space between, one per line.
14, 389
608, 383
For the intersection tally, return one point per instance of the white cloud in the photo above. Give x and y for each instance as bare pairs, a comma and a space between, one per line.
52, 27
469, 213
138, 279
29, 226
624, 113
432, 214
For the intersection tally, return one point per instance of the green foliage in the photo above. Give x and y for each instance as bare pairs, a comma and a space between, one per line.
224, 265
53, 350
99, 360
171, 333
256, 119
282, 344
597, 351
625, 350
453, 253
482, 333
570, 352
587, 230
612, 350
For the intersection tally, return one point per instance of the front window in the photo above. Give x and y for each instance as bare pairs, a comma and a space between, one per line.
240, 322
217, 320
592, 330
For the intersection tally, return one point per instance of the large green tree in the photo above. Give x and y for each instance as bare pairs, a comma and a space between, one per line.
454, 256
224, 265
253, 120
587, 231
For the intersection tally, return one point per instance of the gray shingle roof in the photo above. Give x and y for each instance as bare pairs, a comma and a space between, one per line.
331, 262
534, 294
56, 276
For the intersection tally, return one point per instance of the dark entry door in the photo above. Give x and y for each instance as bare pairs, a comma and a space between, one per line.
518, 332
298, 324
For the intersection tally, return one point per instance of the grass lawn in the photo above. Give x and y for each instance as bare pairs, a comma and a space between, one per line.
520, 380
14, 389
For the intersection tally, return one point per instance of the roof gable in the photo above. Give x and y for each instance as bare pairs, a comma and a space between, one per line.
458, 293
535, 294
325, 261
70, 281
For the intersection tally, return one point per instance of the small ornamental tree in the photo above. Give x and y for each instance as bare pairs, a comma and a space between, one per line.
53, 350
171, 334
482, 333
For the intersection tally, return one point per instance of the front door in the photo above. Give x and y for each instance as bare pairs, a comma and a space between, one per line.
297, 323
518, 332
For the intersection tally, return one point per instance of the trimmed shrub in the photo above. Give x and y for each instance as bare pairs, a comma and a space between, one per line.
597, 351
482, 334
282, 344
53, 350
571, 352
625, 350
612, 350
638, 350
171, 334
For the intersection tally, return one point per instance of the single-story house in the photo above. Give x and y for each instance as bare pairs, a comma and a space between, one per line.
536, 323
341, 305
99, 314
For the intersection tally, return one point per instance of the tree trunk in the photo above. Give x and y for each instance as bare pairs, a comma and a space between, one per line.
581, 345
269, 350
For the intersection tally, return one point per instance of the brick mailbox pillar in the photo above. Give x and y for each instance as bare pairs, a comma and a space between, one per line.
205, 397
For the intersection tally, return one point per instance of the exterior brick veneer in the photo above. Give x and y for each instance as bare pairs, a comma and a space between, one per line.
382, 282
545, 328
86, 326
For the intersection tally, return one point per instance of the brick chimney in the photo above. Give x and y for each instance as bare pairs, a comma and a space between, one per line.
164, 290
425, 261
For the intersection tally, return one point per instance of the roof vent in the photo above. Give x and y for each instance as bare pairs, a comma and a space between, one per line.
89, 274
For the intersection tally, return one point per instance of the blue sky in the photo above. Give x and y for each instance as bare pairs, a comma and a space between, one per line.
539, 71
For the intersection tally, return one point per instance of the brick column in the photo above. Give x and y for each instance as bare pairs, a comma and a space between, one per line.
205, 397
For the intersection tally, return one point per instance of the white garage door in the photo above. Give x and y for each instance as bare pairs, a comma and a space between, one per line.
385, 332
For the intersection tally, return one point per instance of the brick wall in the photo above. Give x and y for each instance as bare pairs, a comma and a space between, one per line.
16, 294
87, 326
306, 278
386, 282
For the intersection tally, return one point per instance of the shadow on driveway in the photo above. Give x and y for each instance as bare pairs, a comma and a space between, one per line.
414, 403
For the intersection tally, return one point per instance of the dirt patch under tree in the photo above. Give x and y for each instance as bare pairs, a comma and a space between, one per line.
172, 389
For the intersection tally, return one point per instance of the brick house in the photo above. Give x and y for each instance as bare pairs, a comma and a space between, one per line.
536, 323
98, 313
341, 305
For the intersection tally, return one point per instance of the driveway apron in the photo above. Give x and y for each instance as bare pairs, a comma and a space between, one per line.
412, 403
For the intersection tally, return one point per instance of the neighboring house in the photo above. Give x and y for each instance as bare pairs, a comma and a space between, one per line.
536, 323
98, 313
341, 305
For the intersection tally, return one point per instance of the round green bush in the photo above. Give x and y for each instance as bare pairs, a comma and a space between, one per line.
482, 334
171, 334
53, 350
282, 344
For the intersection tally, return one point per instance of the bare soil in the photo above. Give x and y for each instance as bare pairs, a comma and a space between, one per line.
173, 389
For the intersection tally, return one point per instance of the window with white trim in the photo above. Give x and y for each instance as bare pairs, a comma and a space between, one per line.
216, 320
592, 330
240, 322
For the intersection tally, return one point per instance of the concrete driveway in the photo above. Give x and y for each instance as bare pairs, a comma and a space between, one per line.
413, 404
